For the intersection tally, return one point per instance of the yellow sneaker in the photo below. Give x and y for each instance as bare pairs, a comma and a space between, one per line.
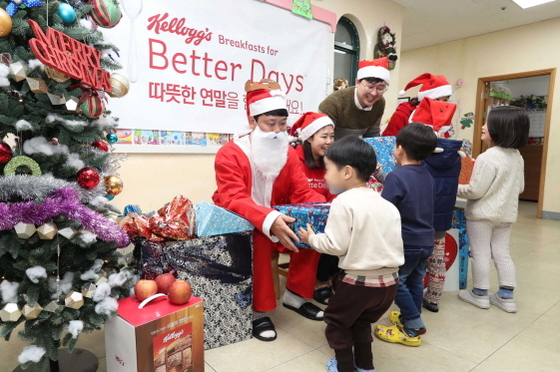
394, 335
395, 318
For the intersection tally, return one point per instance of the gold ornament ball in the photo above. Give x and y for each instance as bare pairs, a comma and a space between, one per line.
113, 185
88, 290
119, 85
18, 71
5, 23
10, 312
54, 307
47, 231
37, 85
32, 312
68, 232
25, 230
74, 300
59, 77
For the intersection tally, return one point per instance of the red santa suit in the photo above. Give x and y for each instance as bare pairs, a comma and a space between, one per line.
315, 177
243, 191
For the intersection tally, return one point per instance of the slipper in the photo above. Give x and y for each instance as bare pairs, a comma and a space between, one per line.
322, 295
394, 335
262, 325
307, 310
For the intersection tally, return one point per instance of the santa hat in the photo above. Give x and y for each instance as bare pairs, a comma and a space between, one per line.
374, 68
264, 96
435, 114
308, 124
433, 86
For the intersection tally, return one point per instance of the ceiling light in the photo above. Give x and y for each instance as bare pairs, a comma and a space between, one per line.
524, 4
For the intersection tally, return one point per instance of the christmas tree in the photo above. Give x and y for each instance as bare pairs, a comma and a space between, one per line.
59, 241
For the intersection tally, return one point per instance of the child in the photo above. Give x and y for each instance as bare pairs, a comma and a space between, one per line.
492, 200
316, 133
363, 229
411, 189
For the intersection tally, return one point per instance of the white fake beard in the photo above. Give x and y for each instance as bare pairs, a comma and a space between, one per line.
269, 152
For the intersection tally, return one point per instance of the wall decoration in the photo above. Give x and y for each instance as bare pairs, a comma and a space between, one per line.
385, 47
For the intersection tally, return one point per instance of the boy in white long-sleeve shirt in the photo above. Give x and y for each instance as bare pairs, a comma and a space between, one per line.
364, 231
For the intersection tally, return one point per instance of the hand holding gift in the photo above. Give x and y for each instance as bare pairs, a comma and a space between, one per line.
282, 231
305, 234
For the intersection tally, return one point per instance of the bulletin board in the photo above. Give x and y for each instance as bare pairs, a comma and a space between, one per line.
193, 58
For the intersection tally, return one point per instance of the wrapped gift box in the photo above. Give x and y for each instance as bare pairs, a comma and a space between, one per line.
467, 166
213, 220
219, 269
315, 214
159, 337
384, 148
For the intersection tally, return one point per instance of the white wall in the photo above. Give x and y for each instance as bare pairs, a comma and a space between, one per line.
151, 180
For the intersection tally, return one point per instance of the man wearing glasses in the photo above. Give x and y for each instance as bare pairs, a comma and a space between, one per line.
357, 110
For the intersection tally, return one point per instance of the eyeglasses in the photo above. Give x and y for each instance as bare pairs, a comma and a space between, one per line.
379, 90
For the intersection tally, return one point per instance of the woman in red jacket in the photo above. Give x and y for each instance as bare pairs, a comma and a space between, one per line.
433, 86
315, 131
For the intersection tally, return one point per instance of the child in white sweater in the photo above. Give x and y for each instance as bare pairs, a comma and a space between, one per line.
364, 231
493, 198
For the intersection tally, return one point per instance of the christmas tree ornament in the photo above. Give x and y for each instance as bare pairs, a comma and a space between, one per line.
102, 279
5, 23
106, 13
54, 307
119, 85
16, 5
100, 145
32, 312
18, 71
88, 290
22, 161
59, 77
74, 300
112, 138
37, 85
91, 104
68, 232
110, 197
66, 12
6, 58
47, 231
56, 100
25, 230
5, 152
88, 178
72, 103
113, 185
10, 312
54, 141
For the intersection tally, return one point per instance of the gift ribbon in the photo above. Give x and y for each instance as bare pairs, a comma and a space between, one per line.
16, 5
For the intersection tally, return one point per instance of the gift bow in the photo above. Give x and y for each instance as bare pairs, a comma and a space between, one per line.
15, 5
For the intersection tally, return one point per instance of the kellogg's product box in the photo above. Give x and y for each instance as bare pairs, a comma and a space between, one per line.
160, 337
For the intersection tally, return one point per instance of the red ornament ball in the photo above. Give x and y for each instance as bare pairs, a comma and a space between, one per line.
88, 178
101, 145
5, 152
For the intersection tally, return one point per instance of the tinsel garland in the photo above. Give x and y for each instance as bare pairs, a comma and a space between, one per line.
27, 187
63, 201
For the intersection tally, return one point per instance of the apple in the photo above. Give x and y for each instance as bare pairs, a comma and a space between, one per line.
164, 281
180, 292
145, 288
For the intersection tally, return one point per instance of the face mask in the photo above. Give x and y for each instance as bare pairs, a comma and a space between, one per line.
336, 190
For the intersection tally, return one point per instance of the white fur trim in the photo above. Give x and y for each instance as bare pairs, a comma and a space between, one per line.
402, 93
267, 224
312, 128
445, 90
267, 104
374, 72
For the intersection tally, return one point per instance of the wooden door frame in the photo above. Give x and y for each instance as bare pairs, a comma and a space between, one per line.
479, 114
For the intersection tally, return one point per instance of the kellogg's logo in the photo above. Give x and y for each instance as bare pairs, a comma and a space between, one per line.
173, 336
159, 23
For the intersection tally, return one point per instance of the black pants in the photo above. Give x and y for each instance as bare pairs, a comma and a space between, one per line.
352, 309
327, 268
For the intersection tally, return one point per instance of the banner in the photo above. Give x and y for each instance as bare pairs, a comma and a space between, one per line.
194, 58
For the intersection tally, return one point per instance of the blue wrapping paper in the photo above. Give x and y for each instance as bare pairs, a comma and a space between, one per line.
315, 214
213, 220
459, 222
384, 148
131, 209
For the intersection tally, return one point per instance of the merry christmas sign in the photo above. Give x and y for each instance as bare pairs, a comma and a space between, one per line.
194, 58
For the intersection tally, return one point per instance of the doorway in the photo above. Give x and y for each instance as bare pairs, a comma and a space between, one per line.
534, 91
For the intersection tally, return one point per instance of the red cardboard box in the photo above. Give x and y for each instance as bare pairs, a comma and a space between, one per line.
161, 337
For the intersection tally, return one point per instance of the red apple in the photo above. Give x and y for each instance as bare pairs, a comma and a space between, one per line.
164, 281
180, 292
145, 288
